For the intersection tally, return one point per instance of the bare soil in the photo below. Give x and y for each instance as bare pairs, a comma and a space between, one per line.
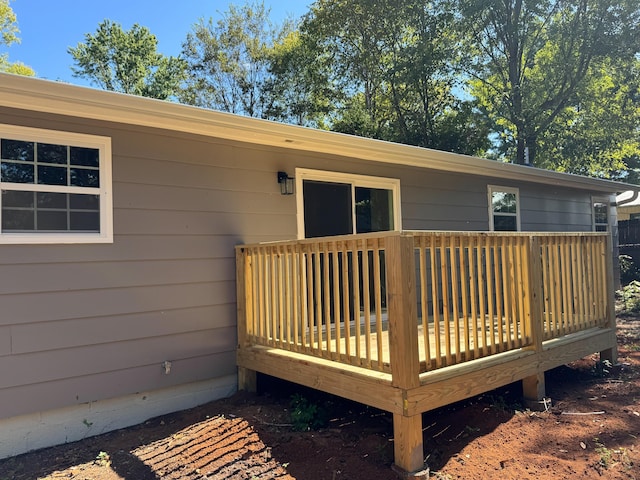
591, 431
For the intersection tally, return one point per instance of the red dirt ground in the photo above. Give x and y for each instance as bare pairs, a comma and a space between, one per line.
591, 431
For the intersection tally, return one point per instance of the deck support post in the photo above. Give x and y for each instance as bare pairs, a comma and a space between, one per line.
407, 447
247, 379
533, 387
610, 354
402, 310
533, 391
403, 351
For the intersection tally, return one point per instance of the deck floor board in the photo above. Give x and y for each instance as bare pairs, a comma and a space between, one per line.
491, 340
372, 350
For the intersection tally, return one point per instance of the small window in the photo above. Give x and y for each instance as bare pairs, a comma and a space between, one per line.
504, 209
55, 187
600, 215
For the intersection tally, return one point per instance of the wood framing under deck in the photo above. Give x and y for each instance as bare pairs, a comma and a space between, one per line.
409, 322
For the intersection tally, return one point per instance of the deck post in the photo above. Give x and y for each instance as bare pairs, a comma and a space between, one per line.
610, 354
533, 387
402, 308
403, 350
247, 379
408, 453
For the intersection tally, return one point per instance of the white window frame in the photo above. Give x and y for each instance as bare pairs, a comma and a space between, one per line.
355, 180
600, 199
497, 188
104, 191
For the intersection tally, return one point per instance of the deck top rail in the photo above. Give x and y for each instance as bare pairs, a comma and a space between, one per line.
405, 303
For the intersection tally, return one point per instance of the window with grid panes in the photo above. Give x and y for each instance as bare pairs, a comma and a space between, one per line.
55, 187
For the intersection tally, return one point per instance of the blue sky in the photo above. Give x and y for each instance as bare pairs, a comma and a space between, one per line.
49, 27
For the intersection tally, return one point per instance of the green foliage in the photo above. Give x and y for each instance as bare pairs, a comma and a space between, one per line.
127, 62
16, 68
306, 415
389, 66
298, 86
596, 134
8, 36
228, 60
630, 297
629, 271
559, 80
529, 62
103, 459
606, 457
8, 26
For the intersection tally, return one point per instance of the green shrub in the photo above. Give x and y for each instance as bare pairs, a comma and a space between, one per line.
306, 415
629, 271
630, 297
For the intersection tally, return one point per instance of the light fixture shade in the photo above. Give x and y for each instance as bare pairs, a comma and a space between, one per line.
286, 183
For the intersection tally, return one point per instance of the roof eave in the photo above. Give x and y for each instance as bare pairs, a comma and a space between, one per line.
65, 99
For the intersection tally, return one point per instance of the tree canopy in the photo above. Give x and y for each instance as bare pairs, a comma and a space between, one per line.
554, 82
127, 62
392, 72
597, 133
529, 60
228, 60
9, 35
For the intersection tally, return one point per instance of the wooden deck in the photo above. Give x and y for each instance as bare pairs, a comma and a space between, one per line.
408, 322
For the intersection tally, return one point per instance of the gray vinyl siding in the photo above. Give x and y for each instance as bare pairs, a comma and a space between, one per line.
545, 209
441, 201
87, 322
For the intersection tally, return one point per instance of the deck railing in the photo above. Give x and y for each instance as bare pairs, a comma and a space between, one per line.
309, 297
411, 302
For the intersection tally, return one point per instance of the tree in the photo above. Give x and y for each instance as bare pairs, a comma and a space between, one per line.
597, 134
392, 71
528, 59
127, 62
8, 36
228, 60
298, 85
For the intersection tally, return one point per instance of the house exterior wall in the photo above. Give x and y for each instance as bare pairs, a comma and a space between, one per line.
625, 212
440, 201
83, 323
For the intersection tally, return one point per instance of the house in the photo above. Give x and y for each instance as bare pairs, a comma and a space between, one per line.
120, 215
628, 206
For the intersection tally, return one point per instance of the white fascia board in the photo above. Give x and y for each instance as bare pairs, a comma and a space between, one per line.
82, 102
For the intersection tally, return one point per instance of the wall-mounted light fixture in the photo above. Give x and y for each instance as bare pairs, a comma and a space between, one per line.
286, 183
